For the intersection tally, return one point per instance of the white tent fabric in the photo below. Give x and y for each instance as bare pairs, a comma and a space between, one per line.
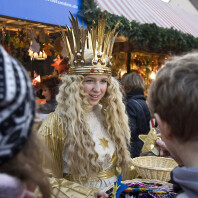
153, 11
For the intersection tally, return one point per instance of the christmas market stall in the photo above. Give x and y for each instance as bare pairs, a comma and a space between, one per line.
30, 31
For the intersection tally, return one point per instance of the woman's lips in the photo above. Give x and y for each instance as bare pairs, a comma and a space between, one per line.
93, 97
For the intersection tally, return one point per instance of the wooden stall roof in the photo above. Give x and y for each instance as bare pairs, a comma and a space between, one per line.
13, 24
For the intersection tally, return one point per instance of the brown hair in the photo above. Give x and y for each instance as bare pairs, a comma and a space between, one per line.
27, 166
174, 96
132, 82
52, 83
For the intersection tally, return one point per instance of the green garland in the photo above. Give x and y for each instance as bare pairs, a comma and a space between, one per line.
143, 37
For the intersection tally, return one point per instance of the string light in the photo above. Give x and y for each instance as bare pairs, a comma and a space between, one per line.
37, 55
152, 75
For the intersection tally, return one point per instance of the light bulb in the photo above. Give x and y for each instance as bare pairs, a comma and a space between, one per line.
152, 75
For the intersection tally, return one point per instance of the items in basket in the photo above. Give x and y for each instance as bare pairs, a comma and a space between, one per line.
148, 190
143, 189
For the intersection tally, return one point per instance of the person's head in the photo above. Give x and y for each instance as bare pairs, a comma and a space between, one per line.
173, 99
131, 82
49, 85
95, 87
18, 144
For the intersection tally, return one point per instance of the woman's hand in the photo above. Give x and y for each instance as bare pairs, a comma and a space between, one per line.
102, 194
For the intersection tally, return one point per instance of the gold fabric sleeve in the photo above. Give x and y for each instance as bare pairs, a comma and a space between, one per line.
52, 133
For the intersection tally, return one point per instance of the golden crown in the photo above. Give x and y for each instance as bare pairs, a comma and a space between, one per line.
90, 52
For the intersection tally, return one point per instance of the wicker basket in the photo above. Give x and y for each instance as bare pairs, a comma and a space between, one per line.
150, 167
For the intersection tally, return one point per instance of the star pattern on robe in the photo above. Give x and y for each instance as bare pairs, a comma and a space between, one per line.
149, 142
104, 143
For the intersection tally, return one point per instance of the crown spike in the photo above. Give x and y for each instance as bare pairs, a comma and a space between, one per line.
64, 38
101, 32
106, 42
83, 39
69, 35
93, 32
89, 41
111, 45
76, 33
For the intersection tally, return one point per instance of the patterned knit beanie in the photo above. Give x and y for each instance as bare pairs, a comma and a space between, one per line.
17, 106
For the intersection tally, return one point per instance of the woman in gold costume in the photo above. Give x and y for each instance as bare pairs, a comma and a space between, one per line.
88, 133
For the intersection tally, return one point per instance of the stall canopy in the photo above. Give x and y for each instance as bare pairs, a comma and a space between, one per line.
154, 11
37, 13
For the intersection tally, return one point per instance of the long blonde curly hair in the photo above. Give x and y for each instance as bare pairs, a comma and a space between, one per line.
72, 108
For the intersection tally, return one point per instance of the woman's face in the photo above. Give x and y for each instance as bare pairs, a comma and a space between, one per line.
46, 93
95, 86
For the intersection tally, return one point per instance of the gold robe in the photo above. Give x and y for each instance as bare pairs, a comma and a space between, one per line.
53, 134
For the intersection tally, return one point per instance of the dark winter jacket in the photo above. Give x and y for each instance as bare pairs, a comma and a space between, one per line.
185, 181
139, 118
48, 107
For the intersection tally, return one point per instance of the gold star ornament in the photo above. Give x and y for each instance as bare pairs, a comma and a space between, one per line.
104, 143
149, 142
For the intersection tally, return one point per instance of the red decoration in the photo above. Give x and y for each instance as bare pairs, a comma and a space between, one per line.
47, 49
59, 64
91, 70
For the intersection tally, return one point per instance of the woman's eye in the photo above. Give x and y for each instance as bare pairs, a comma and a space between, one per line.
104, 81
89, 81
